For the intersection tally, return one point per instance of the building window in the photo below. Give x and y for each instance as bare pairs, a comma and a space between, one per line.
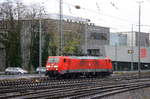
93, 52
98, 36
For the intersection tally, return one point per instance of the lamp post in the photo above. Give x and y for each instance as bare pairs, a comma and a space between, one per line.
60, 29
85, 28
139, 40
40, 40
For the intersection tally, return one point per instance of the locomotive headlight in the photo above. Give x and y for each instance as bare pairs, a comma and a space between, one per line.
55, 66
48, 66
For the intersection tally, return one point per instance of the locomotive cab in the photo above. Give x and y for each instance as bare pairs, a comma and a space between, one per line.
52, 66
55, 65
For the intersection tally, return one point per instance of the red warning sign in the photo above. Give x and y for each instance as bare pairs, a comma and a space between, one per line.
143, 53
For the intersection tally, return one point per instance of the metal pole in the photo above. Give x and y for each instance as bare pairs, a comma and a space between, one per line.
139, 42
60, 28
86, 38
40, 42
132, 49
116, 64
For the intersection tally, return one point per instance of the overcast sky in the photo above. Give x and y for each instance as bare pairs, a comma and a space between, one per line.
119, 15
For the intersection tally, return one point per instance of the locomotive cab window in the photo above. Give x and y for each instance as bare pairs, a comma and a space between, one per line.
64, 60
53, 60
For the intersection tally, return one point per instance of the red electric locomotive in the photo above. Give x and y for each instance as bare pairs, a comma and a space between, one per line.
76, 66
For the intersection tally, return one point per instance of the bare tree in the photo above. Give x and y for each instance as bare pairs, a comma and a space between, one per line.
11, 15
35, 14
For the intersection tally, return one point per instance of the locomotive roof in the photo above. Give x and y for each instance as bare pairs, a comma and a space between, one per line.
87, 57
81, 57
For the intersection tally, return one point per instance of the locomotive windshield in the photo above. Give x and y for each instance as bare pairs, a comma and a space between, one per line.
53, 60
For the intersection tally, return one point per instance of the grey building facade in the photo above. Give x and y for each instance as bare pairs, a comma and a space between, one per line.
96, 37
133, 36
117, 39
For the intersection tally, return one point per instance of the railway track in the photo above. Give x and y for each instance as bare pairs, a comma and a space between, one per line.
68, 88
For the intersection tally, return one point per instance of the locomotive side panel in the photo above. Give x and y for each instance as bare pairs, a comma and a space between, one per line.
88, 65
